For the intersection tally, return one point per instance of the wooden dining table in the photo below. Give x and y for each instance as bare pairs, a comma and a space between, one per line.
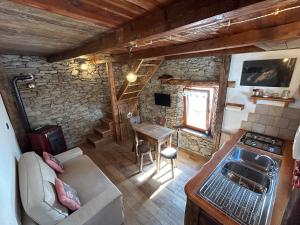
155, 135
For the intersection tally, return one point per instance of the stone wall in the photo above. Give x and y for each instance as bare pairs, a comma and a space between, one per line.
63, 94
206, 69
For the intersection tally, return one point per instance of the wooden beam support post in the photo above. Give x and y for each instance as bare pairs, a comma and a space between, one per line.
112, 89
221, 99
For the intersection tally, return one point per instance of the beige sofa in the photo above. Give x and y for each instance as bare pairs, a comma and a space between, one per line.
100, 198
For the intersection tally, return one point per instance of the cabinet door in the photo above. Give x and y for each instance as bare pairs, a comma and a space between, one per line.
196, 216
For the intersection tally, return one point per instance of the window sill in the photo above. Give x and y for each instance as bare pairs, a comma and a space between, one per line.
196, 133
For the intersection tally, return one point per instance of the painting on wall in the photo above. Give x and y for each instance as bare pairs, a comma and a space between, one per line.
268, 73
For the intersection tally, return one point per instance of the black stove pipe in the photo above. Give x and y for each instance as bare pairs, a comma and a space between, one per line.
20, 103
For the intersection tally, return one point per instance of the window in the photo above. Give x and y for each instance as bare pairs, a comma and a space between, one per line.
197, 108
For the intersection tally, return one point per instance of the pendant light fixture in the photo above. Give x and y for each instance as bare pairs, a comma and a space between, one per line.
131, 76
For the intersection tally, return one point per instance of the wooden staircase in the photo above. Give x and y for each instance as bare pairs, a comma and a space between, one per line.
144, 69
102, 132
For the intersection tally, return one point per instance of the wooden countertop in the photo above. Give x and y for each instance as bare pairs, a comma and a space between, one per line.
283, 191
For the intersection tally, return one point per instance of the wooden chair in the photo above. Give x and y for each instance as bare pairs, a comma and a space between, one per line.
171, 154
159, 120
142, 148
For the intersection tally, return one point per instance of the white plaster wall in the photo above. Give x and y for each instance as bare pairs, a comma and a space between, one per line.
9, 154
240, 94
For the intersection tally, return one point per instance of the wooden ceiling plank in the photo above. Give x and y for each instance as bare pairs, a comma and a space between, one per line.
145, 4
102, 5
127, 6
75, 10
252, 37
168, 20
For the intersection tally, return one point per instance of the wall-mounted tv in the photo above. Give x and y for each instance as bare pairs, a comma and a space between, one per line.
162, 99
268, 73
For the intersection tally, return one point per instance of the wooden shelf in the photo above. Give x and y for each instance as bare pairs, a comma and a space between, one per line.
286, 101
234, 106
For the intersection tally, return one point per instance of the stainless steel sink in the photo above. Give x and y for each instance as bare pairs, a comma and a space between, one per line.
243, 186
260, 162
246, 177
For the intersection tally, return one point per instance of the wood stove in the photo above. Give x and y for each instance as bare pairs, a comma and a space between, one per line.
49, 139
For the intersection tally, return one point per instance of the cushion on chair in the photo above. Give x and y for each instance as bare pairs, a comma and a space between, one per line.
38, 196
169, 153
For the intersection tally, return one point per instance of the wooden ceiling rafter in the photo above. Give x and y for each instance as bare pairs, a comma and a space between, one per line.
248, 38
221, 52
169, 20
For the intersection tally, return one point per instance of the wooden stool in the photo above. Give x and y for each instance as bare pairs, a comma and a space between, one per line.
170, 153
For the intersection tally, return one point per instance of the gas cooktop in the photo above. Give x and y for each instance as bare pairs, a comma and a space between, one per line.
264, 142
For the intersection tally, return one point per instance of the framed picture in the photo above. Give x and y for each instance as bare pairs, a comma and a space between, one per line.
268, 73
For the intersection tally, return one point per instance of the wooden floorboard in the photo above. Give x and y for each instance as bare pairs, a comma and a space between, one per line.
150, 198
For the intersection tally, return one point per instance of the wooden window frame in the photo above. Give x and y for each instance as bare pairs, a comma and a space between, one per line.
209, 115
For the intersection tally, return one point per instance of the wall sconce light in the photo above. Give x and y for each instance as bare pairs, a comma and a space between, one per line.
285, 59
83, 63
84, 66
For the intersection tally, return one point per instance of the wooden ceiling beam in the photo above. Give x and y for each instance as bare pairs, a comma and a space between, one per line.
176, 17
75, 9
229, 51
252, 37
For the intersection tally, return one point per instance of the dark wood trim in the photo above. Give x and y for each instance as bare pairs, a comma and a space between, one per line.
177, 17
252, 37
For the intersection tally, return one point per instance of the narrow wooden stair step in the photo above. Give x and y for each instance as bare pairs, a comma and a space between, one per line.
107, 121
103, 131
95, 140
148, 64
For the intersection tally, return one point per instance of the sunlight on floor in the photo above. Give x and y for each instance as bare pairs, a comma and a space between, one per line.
164, 176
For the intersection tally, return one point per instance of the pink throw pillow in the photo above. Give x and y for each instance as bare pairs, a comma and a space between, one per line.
67, 195
53, 162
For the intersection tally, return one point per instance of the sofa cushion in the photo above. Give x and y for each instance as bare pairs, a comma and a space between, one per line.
36, 181
53, 162
67, 195
87, 179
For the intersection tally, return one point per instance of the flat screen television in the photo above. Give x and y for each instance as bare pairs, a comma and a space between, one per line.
268, 73
162, 99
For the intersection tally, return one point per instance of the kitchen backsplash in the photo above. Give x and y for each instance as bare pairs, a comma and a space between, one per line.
274, 121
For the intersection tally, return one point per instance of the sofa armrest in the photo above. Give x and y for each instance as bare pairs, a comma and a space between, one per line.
105, 209
70, 154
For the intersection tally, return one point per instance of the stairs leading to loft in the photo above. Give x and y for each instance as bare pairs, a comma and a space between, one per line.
102, 132
145, 69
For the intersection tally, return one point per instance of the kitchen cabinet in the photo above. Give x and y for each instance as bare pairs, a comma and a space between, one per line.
194, 215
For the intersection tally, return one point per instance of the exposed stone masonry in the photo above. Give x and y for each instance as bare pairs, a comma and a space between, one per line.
63, 95
206, 69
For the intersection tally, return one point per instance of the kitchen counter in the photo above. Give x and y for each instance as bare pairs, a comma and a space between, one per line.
198, 205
